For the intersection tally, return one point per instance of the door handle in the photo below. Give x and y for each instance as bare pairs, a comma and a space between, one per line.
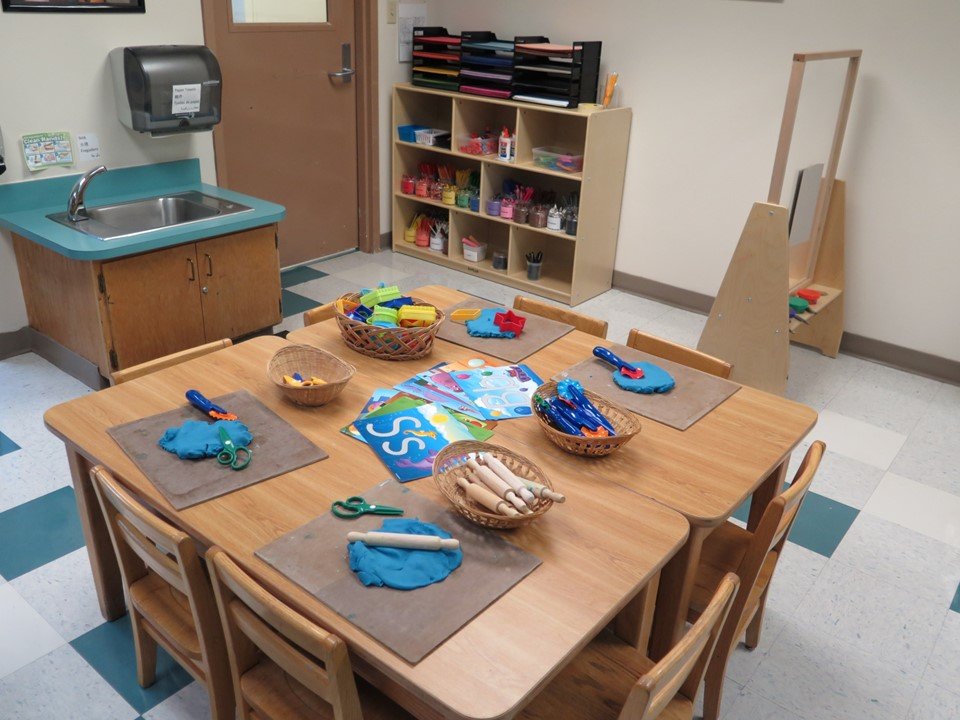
346, 72
209, 264
193, 270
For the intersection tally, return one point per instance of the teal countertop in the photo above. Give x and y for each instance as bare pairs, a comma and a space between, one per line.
24, 207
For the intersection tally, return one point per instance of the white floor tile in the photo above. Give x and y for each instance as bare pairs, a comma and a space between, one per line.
931, 454
191, 703
841, 478
370, 274
24, 476
901, 557
815, 379
731, 691
680, 326
927, 510
324, 289
820, 678
342, 262
61, 685
881, 620
24, 634
63, 593
944, 666
749, 705
291, 323
857, 439
933, 702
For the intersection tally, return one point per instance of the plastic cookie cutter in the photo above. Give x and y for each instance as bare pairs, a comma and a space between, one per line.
509, 321
202, 404
417, 315
463, 314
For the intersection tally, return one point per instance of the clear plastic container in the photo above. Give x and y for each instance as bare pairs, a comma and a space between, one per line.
554, 158
475, 254
434, 137
476, 145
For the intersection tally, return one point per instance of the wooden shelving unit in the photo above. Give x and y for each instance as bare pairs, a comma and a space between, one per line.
575, 268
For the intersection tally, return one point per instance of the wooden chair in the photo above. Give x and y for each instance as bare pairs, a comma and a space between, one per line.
753, 556
168, 594
680, 354
319, 314
283, 666
130, 373
584, 323
602, 683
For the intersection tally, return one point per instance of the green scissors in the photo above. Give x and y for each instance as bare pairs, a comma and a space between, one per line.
355, 506
236, 457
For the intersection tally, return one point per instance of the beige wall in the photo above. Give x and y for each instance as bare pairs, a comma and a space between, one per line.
56, 77
706, 80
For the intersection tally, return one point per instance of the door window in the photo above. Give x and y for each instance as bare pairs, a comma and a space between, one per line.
279, 11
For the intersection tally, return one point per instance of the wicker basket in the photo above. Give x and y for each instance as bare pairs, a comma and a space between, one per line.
623, 421
451, 464
387, 343
308, 361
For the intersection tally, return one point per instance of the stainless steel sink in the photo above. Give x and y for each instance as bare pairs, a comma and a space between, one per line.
123, 220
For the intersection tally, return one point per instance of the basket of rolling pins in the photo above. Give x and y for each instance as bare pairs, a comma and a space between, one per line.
492, 486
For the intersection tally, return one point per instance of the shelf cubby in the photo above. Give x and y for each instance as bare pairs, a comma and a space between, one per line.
495, 235
471, 116
417, 108
539, 129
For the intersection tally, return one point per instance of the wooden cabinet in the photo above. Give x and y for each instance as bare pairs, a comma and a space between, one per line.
118, 313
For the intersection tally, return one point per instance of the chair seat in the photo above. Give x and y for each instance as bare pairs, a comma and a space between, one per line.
595, 685
168, 611
275, 695
722, 553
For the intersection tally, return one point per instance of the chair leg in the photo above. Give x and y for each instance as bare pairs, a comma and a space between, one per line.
145, 648
756, 624
223, 702
713, 686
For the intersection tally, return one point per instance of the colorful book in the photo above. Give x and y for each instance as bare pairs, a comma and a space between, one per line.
408, 441
481, 430
499, 393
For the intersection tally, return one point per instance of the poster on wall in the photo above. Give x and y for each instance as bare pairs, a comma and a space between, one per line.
45, 150
74, 6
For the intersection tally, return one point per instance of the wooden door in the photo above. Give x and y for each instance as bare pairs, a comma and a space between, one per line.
289, 128
240, 277
153, 304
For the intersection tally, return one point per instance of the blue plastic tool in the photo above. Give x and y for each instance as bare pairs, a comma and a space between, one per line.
571, 391
619, 363
202, 404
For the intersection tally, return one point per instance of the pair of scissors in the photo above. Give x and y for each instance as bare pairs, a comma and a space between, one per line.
236, 457
355, 506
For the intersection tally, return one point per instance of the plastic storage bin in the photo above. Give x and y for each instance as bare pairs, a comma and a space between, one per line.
408, 133
475, 254
434, 137
554, 158
476, 145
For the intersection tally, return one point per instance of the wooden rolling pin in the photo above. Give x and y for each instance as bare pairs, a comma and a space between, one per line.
509, 478
493, 481
400, 540
480, 495
542, 491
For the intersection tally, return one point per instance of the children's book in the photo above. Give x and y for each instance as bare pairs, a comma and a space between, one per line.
481, 430
499, 392
434, 391
409, 440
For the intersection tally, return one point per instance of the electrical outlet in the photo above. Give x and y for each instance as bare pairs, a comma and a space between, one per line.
391, 12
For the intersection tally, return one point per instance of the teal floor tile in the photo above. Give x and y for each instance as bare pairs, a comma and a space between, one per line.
109, 649
820, 526
294, 304
298, 275
955, 605
39, 532
7, 445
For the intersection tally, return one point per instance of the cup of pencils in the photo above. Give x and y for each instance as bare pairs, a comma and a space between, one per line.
534, 264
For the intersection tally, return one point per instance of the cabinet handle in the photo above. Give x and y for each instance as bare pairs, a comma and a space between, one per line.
209, 264
193, 270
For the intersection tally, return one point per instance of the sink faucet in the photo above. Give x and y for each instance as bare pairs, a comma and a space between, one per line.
75, 208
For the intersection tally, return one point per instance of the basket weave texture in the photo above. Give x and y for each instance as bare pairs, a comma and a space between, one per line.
308, 361
398, 343
623, 421
451, 464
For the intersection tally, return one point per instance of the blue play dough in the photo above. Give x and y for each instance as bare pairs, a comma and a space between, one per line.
485, 327
196, 439
400, 568
655, 379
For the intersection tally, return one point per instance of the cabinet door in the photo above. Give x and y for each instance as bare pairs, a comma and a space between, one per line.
240, 277
153, 304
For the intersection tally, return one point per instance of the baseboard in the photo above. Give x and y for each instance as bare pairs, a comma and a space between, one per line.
27, 339
13, 343
386, 240
915, 361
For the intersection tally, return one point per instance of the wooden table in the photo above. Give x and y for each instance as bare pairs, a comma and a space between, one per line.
706, 472
600, 550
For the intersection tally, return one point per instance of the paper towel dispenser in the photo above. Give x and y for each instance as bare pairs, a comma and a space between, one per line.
166, 89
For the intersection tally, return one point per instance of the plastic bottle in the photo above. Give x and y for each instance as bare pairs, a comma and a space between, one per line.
505, 149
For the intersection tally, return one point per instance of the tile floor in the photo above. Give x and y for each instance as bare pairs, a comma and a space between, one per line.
864, 615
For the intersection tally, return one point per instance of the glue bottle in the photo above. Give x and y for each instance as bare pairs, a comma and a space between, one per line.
505, 148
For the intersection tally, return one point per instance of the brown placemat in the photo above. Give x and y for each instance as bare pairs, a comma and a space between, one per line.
409, 622
695, 394
538, 332
277, 449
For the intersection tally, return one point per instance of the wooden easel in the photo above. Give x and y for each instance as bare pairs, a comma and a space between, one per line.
749, 325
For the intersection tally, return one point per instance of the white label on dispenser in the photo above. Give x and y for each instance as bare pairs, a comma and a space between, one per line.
186, 99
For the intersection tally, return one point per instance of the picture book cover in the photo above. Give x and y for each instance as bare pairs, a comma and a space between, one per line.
481, 430
408, 441
424, 386
499, 392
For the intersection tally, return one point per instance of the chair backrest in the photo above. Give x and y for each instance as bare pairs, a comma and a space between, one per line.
144, 542
255, 621
319, 314
584, 323
130, 373
680, 354
681, 669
